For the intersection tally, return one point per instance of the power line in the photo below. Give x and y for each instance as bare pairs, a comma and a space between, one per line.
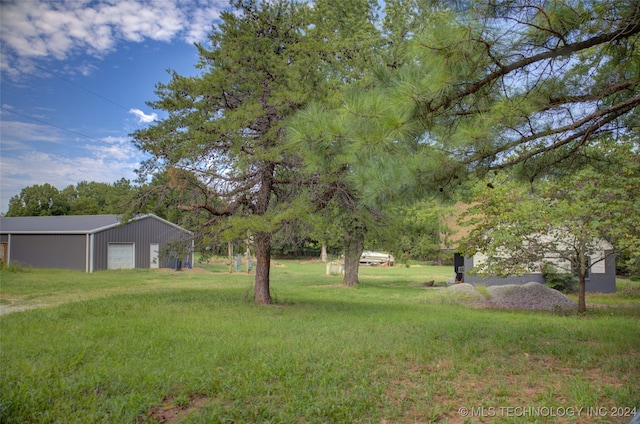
52, 125
50, 72
79, 86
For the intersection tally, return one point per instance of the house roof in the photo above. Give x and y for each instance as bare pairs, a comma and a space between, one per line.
66, 224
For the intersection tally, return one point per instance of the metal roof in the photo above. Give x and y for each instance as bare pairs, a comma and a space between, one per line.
66, 224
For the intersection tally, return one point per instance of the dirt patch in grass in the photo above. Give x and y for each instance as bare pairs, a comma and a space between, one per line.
7, 309
172, 411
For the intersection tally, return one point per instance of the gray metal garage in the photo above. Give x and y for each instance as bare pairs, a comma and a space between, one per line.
94, 242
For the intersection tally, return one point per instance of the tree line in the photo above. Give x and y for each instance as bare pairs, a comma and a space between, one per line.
84, 198
422, 226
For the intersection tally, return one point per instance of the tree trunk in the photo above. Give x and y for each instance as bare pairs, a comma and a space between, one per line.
582, 286
353, 247
262, 293
583, 268
323, 253
230, 250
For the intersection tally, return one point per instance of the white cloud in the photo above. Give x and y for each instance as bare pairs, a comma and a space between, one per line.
142, 117
36, 29
15, 130
114, 148
201, 24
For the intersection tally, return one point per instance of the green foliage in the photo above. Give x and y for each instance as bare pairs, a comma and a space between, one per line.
627, 266
86, 198
12, 267
459, 91
562, 281
411, 232
92, 198
38, 200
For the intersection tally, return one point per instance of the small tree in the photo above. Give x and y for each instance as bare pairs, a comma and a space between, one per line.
567, 221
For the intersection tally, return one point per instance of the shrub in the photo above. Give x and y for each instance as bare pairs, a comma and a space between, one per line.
563, 282
12, 267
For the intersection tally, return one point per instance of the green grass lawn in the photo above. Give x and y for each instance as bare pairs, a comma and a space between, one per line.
148, 346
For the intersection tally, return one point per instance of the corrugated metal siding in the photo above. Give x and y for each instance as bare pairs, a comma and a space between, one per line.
4, 238
67, 251
604, 283
142, 233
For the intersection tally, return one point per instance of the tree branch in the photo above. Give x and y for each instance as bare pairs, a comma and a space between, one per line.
606, 115
503, 70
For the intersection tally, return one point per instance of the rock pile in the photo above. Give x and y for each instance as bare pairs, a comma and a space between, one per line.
529, 296
532, 295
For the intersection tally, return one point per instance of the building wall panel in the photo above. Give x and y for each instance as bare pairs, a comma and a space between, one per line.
142, 233
604, 282
66, 251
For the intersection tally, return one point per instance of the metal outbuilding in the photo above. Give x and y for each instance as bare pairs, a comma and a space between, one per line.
94, 242
600, 279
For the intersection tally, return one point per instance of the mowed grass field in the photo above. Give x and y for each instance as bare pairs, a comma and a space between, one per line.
151, 346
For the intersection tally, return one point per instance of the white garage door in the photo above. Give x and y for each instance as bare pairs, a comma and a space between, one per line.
120, 256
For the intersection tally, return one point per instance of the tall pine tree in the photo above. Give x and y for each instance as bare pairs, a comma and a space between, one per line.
226, 126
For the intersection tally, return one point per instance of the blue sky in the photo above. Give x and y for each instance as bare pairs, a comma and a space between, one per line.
75, 76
